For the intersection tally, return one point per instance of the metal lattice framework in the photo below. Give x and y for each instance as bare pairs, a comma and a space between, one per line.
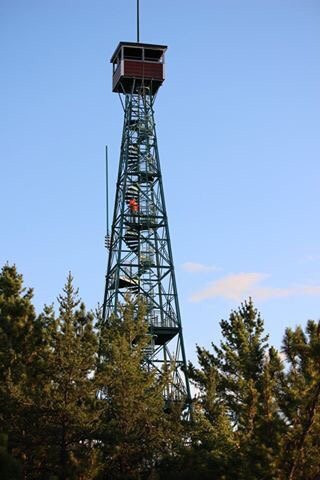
140, 260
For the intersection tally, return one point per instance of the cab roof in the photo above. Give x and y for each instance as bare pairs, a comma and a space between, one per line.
137, 45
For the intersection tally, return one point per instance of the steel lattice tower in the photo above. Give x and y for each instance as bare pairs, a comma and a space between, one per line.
140, 262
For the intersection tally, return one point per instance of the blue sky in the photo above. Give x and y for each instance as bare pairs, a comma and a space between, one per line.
238, 130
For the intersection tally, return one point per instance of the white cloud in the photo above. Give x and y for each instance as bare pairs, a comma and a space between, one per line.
232, 287
194, 267
242, 285
310, 289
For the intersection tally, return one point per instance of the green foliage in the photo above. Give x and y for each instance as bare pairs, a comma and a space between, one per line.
68, 400
300, 402
9, 467
51, 388
18, 336
134, 431
80, 408
81, 404
237, 407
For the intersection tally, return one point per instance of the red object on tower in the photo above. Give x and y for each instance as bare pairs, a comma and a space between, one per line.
133, 204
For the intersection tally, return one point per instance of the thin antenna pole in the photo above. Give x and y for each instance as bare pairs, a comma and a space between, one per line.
107, 192
138, 21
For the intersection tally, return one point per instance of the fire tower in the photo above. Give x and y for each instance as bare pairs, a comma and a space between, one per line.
140, 262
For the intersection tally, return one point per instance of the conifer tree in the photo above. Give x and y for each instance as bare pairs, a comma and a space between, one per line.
135, 431
212, 433
238, 386
300, 403
69, 405
17, 319
75, 408
55, 398
19, 337
9, 467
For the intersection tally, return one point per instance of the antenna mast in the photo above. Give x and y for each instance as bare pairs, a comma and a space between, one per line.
138, 21
107, 237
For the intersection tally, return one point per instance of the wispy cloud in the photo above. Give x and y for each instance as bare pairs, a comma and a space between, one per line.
241, 285
232, 287
194, 267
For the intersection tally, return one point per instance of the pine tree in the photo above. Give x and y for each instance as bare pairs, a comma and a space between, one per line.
212, 433
300, 403
69, 405
238, 385
17, 320
55, 398
9, 467
135, 431
19, 338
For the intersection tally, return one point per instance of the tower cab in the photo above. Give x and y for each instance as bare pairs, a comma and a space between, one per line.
137, 65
